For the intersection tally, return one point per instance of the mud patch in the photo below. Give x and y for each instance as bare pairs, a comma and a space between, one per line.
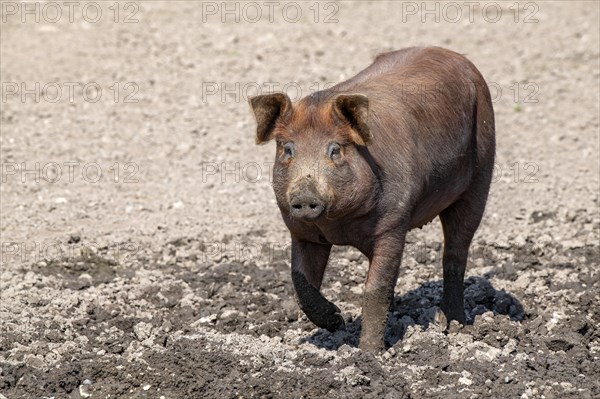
176, 326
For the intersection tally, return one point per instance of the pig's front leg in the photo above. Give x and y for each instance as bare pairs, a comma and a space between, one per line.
308, 266
379, 291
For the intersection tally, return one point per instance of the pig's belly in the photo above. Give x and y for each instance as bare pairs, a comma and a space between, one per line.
434, 203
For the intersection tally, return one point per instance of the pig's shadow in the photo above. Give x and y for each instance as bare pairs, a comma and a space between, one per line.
419, 307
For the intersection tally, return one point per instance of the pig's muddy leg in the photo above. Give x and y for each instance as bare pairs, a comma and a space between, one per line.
379, 292
308, 266
459, 221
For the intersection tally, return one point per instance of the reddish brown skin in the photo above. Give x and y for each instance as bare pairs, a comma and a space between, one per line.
416, 140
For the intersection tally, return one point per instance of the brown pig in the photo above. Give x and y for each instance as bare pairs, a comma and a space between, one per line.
409, 138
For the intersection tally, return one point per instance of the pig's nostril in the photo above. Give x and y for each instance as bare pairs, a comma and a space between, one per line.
306, 208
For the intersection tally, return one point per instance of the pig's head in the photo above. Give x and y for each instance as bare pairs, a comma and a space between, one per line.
321, 166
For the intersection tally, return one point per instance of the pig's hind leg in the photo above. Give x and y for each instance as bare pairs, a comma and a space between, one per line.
460, 221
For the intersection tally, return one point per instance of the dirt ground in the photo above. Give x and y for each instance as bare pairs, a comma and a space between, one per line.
143, 255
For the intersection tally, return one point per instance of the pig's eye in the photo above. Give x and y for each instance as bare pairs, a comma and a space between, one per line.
288, 149
334, 151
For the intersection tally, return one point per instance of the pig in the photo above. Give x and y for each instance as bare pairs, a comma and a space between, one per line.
409, 138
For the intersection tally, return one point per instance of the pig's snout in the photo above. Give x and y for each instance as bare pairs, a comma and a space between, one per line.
306, 207
306, 204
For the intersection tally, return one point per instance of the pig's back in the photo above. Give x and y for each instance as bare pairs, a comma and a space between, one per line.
421, 103
423, 111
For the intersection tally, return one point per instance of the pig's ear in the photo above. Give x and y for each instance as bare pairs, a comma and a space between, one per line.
354, 108
268, 108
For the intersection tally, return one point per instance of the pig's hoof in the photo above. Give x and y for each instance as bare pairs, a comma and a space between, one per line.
335, 322
325, 315
329, 317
